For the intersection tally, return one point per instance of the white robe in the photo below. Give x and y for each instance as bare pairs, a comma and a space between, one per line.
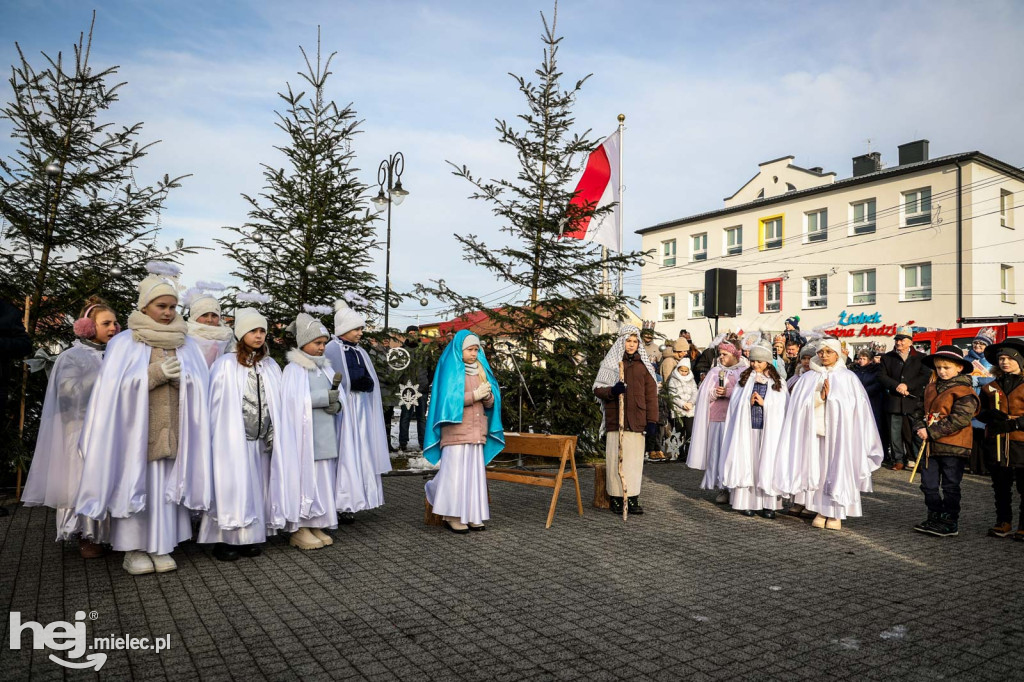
56, 469
748, 455
241, 468
706, 440
835, 468
362, 440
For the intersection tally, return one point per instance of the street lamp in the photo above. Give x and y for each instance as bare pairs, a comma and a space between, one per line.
389, 181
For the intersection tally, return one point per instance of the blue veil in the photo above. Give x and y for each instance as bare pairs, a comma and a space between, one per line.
447, 396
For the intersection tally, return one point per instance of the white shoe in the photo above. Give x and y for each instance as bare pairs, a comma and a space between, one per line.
819, 521
722, 497
834, 524
163, 562
137, 563
303, 538
323, 537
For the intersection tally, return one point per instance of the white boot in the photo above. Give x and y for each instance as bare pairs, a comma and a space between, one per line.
137, 563
323, 537
819, 521
833, 524
303, 538
163, 562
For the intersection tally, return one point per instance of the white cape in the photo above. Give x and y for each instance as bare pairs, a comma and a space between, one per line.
57, 465
852, 446
115, 439
213, 342
697, 456
293, 489
360, 430
738, 459
233, 505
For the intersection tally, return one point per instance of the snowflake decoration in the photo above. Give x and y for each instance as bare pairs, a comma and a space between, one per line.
673, 444
409, 395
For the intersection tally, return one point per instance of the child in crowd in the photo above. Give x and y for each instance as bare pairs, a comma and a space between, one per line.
245, 404
303, 485
204, 321
361, 435
683, 390
146, 443
943, 422
751, 438
57, 467
464, 433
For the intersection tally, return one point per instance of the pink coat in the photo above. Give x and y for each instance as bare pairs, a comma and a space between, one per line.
473, 428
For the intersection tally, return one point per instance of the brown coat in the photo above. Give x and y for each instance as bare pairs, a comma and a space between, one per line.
641, 398
163, 409
473, 427
950, 406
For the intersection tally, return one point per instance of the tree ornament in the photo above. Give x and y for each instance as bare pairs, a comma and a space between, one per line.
256, 238
310, 269
398, 358
53, 169
424, 302
674, 444
408, 395
393, 303
116, 272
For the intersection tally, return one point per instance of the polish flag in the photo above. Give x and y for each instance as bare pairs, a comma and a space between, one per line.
598, 188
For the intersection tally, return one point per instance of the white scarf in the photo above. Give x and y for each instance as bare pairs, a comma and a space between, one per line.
205, 331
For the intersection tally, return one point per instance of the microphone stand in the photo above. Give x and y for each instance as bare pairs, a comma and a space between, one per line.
522, 385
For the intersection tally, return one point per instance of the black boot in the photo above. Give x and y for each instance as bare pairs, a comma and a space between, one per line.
947, 526
346, 518
224, 552
615, 504
928, 525
634, 505
767, 513
250, 551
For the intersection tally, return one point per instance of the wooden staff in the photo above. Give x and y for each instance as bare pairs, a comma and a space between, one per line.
622, 431
924, 445
999, 442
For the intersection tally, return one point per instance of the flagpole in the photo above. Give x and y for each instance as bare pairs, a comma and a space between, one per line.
604, 283
622, 215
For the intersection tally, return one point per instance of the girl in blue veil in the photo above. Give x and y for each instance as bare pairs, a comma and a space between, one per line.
464, 433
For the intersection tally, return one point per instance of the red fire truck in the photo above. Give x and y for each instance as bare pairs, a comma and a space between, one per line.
1004, 327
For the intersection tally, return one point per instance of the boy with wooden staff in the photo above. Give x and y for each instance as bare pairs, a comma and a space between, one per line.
943, 422
625, 436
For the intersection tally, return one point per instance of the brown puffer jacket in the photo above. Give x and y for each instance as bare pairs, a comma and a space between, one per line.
641, 398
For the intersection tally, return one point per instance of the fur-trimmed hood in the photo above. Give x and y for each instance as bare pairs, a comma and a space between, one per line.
308, 362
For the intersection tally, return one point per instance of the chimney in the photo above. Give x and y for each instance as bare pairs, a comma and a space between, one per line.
867, 163
913, 152
816, 169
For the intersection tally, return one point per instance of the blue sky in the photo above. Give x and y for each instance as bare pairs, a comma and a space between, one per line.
709, 91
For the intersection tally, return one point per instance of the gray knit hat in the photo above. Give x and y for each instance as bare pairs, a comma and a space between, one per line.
307, 328
760, 353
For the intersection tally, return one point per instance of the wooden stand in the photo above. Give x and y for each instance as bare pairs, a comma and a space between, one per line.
429, 517
562, 448
600, 490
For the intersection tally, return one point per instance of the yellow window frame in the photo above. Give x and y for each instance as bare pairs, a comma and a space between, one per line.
781, 217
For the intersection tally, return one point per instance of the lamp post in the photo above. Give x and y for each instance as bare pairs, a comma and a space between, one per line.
389, 179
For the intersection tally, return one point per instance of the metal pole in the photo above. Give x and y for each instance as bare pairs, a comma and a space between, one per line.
622, 210
387, 260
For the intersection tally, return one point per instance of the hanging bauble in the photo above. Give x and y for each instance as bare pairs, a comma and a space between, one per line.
256, 238
393, 303
116, 272
53, 169
424, 302
310, 269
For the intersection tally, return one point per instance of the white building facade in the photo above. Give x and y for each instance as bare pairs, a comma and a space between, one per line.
927, 242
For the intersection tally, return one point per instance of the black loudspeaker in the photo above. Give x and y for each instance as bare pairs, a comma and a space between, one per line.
720, 293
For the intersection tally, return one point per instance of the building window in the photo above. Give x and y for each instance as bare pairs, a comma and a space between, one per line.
817, 225
862, 287
696, 304
668, 253
917, 207
1006, 208
739, 300
863, 216
734, 240
917, 282
770, 233
816, 291
668, 307
700, 247
1006, 283
770, 295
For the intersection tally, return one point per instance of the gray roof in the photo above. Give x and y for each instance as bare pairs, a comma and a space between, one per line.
843, 184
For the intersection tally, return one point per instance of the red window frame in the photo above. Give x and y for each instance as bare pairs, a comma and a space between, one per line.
760, 294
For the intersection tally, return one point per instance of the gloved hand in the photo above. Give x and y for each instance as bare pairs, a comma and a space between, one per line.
992, 415
363, 384
618, 389
1000, 427
651, 430
332, 396
171, 367
333, 404
481, 392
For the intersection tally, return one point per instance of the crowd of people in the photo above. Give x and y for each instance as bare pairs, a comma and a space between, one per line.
181, 428
793, 417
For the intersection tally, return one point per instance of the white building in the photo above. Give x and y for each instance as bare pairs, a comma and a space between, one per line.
927, 242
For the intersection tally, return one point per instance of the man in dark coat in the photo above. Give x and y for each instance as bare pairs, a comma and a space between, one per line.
421, 373
904, 378
14, 345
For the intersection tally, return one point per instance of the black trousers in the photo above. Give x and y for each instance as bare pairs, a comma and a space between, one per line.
389, 415
421, 421
1003, 479
943, 472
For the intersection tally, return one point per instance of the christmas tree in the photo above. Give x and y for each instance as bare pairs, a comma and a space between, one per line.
73, 219
561, 295
309, 236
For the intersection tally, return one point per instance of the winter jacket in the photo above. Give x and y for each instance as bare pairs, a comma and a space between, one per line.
870, 378
668, 363
704, 364
912, 373
682, 392
955, 403
14, 345
1010, 389
641, 397
163, 408
473, 427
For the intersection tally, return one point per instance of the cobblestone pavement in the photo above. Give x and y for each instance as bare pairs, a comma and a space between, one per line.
687, 591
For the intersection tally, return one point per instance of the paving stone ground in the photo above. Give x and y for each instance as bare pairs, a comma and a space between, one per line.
687, 591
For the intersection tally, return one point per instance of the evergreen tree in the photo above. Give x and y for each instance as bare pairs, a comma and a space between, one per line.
560, 292
73, 219
309, 236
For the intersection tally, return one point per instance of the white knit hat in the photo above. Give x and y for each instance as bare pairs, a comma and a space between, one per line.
201, 305
307, 328
760, 353
831, 344
247, 319
346, 319
155, 286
